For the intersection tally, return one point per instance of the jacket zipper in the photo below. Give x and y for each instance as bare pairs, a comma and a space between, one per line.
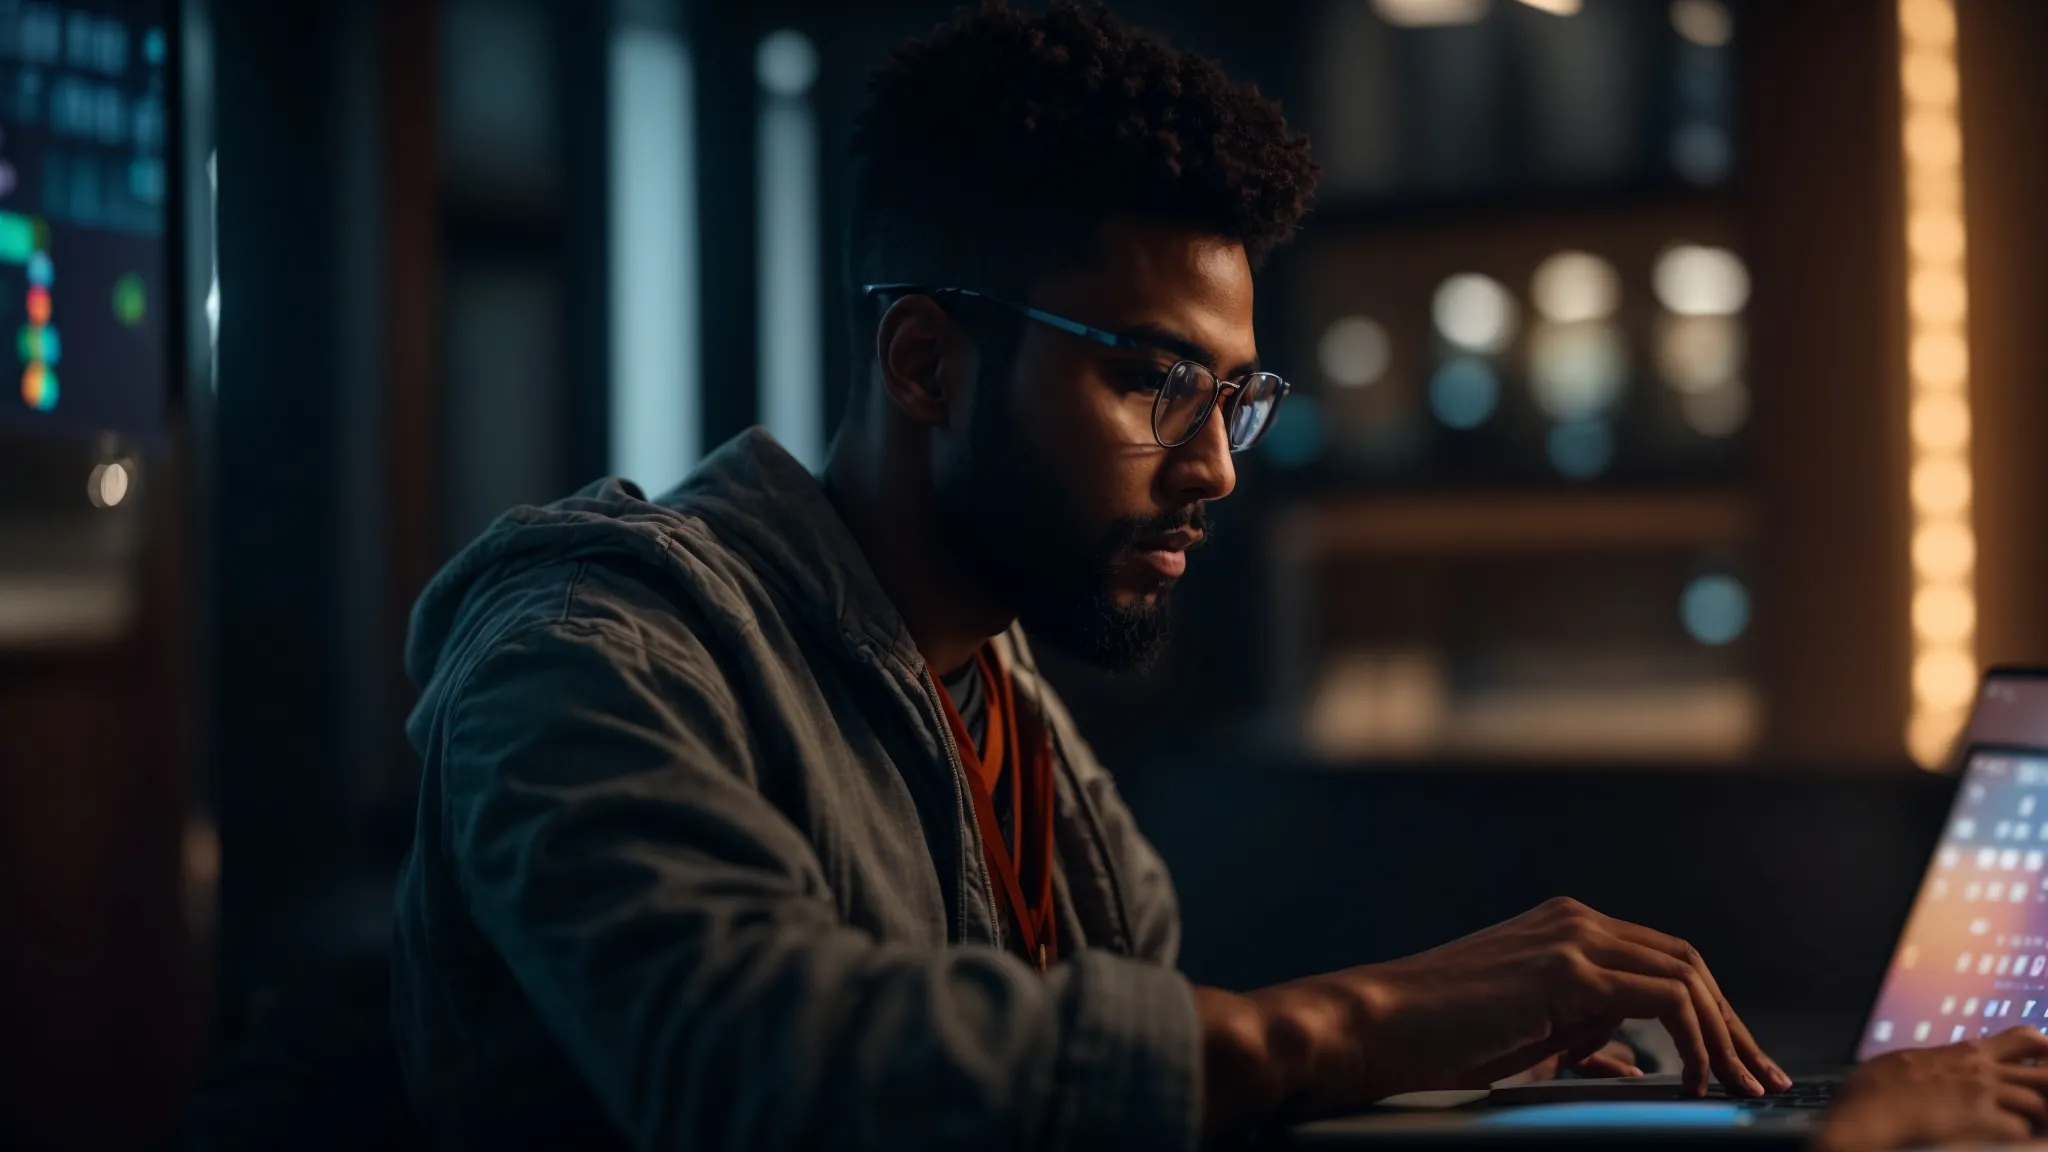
970, 839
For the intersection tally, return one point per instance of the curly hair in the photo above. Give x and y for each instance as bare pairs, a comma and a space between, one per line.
988, 152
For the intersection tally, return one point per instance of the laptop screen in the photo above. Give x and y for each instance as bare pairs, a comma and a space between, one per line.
1973, 959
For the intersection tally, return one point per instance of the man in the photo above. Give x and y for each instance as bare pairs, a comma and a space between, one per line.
747, 822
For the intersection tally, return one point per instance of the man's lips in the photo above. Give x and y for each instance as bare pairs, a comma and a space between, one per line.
1168, 562
1168, 554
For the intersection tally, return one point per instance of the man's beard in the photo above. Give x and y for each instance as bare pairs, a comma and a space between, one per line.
1016, 525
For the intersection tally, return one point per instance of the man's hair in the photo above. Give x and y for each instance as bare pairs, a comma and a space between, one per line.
989, 151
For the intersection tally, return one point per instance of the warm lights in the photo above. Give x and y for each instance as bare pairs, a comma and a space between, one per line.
1700, 342
1475, 312
1706, 23
1695, 280
1354, 351
108, 484
1940, 424
1940, 487
1939, 360
1944, 552
1430, 13
1935, 237
1944, 549
1577, 370
1573, 286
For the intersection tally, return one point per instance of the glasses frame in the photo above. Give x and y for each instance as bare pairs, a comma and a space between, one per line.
1217, 386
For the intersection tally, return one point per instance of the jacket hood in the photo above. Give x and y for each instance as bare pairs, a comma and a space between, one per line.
750, 496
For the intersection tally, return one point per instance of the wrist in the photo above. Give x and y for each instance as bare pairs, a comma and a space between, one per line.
1298, 1050
1242, 1078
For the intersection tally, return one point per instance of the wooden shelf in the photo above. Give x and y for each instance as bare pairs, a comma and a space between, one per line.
1511, 523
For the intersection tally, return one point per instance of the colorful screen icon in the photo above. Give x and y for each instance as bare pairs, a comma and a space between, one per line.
39, 387
131, 300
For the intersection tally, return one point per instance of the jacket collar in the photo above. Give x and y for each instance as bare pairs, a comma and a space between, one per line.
762, 502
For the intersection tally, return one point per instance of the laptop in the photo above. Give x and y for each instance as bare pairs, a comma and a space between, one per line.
1971, 960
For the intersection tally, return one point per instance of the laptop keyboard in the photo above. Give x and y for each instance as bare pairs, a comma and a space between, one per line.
1816, 1094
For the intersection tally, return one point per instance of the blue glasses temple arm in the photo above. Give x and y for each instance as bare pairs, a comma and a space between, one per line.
1072, 327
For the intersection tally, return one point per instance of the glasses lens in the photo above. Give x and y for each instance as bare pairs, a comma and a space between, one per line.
1251, 412
1183, 400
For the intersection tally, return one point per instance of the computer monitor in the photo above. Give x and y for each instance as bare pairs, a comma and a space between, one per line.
86, 93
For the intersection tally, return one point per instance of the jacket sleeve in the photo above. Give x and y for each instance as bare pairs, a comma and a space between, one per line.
675, 932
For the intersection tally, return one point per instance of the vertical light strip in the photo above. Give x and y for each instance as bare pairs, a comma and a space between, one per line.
1944, 546
655, 394
213, 273
792, 396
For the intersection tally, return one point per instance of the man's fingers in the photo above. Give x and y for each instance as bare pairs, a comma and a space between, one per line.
1601, 1064
1752, 1053
1727, 1058
2025, 1102
2021, 1043
2026, 1075
1662, 998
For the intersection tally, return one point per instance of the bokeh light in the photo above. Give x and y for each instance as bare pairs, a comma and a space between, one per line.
1940, 360
1718, 412
786, 63
1697, 280
1706, 23
107, 486
1464, 392
1576, 371
1944, 550
1929, 78
1933, 140
1936, 237
1944, 678
1431, 13
1940, 423
1714, 609
1354, 351
1582, 449
1941, 487
1944, 614
1475, 312
1927, 23
1700, 353
1930, 736
1937, 296
1573, 286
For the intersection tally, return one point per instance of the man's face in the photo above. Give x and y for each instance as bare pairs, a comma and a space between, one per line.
1063, 500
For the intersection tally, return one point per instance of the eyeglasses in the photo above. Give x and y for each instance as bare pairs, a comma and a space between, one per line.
1188, 392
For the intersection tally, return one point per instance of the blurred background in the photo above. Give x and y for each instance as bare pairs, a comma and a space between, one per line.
1663, 465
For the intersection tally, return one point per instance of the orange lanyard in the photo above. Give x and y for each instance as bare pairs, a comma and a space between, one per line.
1029, 870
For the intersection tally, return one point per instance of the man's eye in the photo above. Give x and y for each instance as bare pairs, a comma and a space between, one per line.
1144, 378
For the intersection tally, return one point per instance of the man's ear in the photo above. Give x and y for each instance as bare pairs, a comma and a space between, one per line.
919, 359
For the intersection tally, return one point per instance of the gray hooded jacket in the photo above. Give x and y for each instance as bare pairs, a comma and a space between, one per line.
695, 867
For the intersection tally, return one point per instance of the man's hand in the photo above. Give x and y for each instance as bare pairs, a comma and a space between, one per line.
1552, 983
1986, 1090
